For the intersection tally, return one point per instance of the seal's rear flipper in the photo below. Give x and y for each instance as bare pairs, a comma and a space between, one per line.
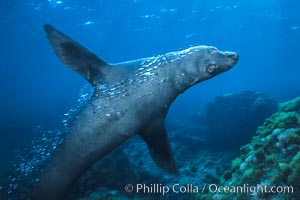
160, 149
75, 56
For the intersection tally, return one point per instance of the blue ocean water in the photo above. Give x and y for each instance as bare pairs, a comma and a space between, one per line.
37, 90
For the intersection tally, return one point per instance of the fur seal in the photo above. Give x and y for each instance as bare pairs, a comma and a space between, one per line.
129, 98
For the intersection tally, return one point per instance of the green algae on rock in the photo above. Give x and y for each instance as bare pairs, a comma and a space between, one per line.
271, 159
289, 106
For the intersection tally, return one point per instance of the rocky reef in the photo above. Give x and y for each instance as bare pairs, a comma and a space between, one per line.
271, 159
237, 115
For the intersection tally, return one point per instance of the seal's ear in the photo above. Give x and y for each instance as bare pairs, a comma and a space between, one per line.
75, 56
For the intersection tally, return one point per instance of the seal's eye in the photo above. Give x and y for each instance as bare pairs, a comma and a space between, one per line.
211, 69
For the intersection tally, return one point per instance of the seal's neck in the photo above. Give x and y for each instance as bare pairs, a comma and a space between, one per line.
181, 74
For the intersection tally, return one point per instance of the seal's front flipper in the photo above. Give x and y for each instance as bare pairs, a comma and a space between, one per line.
160, 149
75, 56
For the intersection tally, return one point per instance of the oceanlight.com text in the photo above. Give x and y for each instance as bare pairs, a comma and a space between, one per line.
249, 189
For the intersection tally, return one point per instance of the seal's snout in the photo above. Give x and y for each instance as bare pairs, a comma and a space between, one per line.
235, 57
231, 57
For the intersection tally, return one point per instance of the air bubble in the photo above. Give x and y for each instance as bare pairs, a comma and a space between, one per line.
148, 73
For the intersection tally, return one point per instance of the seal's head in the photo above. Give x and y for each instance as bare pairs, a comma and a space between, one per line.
217, 61
200, 63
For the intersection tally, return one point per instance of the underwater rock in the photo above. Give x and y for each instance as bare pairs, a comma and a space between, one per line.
232, 118
271, 159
